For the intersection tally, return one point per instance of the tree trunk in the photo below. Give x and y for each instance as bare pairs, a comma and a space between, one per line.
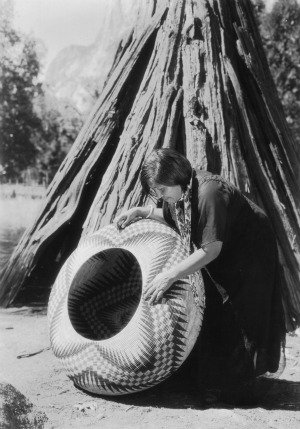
192, 76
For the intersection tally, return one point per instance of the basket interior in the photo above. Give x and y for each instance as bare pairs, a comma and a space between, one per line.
105, 294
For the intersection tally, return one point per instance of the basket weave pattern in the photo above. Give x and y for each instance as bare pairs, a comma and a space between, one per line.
108, 337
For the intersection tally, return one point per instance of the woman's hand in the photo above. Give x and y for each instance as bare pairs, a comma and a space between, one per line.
128, 216
161, 283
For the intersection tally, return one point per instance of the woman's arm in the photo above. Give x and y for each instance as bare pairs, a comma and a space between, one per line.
128, 216
192, 263
156, 214
196, 260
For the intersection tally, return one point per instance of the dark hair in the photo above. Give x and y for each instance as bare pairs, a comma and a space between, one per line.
165, 167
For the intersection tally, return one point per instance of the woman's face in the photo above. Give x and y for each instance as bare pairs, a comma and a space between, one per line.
170, 194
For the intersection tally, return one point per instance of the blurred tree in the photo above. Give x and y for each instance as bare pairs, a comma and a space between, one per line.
36, 131
19, 87
280, 30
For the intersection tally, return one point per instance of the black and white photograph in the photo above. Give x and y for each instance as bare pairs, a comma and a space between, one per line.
149, 214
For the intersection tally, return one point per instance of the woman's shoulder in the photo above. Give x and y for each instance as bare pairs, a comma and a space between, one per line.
205, 174
210, 187
209, 179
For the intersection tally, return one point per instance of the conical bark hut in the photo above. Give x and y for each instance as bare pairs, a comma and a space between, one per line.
192, 75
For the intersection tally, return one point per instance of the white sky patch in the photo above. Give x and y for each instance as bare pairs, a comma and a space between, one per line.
61, 23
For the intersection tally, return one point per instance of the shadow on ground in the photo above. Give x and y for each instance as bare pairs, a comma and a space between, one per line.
177, 393
283, 395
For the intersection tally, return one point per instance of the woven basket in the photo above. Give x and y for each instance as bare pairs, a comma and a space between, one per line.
108, 337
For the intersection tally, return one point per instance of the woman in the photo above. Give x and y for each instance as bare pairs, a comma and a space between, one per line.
232, 242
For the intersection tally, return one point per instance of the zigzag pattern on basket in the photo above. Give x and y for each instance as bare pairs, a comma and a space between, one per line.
110, 340
103, 311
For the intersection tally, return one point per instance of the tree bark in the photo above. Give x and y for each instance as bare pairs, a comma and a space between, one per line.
193, 76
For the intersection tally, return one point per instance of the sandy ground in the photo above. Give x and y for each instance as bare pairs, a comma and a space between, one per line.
58, 404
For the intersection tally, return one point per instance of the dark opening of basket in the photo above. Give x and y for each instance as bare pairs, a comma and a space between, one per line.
105, 294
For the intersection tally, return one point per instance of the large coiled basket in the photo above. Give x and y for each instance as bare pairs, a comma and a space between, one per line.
108, 337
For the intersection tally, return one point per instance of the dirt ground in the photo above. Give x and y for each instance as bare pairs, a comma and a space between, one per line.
54, 402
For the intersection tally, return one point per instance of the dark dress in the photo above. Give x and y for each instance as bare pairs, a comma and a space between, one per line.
243, 338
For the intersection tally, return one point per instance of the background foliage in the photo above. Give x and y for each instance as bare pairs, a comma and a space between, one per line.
19, 88
280, 32
37, 130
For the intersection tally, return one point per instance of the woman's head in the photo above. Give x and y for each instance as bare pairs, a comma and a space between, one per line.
166, 168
